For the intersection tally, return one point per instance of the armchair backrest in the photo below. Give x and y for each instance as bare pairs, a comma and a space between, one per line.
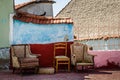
21, 50
79, 53
28, 51
18, 50
76, 52
15, 52
87, 57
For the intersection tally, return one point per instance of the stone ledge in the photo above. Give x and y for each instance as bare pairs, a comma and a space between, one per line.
47, 70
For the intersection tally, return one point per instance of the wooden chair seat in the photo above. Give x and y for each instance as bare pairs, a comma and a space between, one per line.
60, 57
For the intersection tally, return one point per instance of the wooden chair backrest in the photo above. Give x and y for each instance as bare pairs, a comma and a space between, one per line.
60, 49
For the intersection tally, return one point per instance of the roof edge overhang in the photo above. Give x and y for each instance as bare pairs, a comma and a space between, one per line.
105, 37
42, 1
26, 17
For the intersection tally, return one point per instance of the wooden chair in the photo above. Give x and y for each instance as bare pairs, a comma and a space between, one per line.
60, 55
80, 56
22, 58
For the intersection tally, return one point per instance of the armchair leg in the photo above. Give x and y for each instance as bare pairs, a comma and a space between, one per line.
37, 70
76, 69
13, 70
21, 71
82, 68
93, 67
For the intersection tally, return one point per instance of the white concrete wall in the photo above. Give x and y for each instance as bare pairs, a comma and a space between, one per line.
38, 9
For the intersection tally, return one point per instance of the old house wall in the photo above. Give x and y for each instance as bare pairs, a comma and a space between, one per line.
96, 22
94, 19
29, 33
109, 44
38, 9
6, 8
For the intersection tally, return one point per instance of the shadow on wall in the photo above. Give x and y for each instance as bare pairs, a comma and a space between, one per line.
111, 65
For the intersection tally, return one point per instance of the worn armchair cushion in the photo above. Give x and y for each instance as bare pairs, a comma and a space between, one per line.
28, 60
84, 63
32, 64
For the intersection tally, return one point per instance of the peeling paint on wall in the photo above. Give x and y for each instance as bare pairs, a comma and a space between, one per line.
29, 33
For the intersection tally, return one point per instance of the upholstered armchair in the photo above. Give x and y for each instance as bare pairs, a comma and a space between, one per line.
80, 56
22, 58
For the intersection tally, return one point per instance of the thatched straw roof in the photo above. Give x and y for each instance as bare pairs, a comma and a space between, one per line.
94, 19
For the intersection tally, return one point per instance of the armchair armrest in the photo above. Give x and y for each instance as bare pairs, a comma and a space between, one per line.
73, 59
15, 62
73, 55
90, 53
93, 55
37, 55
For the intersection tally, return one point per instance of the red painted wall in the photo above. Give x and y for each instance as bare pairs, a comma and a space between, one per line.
46, 51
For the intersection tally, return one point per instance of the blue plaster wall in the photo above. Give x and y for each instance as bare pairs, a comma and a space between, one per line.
29, 33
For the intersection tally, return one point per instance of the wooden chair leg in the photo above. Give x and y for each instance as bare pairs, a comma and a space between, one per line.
54, 63
68, 66
37, 70
56, 66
